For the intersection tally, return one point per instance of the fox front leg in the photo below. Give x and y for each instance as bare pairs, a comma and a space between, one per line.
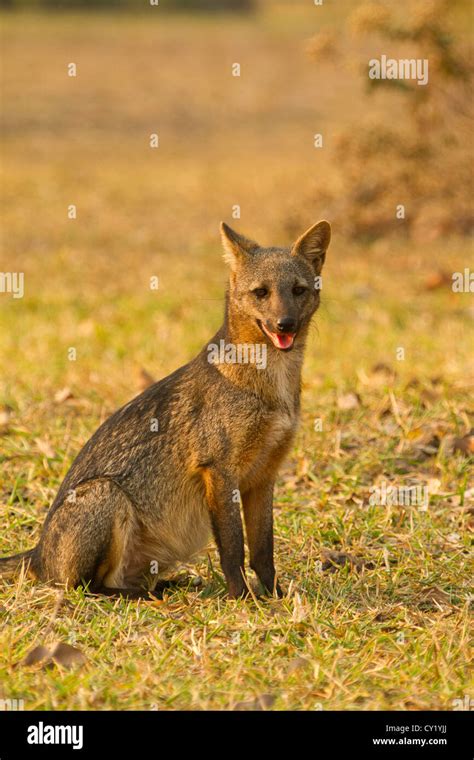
224, 506
258, 513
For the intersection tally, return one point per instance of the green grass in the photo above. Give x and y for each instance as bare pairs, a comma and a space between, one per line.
394, 635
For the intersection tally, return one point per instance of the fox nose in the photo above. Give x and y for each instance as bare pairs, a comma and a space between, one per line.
286, 325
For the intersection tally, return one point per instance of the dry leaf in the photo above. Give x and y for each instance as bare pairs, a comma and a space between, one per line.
465, 444
438, 279
297, 664
434, 595
86, 328
61, 654
67, 655
262, 702
453, 538
383, 616
62, 395
428, 397
334, 559
432, 446
384, 369
427, 441
348, 401
415, 434
36, 655
44, 447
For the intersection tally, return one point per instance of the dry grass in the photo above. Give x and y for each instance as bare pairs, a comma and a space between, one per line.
391, 635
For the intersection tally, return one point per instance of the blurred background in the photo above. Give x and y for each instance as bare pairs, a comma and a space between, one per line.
239, 148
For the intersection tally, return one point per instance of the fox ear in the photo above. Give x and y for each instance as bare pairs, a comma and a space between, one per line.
313, 244
235, 246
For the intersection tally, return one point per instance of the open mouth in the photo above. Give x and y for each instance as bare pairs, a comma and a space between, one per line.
282, 341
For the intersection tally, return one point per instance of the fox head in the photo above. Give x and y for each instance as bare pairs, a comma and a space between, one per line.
274, 292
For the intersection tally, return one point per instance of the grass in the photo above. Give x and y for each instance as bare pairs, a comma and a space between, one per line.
393, 634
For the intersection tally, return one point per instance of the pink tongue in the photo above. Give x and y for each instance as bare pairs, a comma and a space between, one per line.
282, 341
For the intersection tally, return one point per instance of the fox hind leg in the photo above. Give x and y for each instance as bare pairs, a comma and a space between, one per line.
85, 538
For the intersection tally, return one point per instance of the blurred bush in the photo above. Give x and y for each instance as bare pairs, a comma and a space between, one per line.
420, 158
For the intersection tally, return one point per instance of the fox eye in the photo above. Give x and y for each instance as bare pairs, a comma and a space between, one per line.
260, 292
298, 290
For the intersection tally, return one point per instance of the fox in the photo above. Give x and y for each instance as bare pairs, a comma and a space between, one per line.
197, 453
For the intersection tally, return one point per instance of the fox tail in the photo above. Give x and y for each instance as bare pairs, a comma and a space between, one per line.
10, 566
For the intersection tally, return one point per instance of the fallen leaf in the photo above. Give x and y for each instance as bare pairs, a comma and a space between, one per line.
434, 595
262, 702
61, 654
383, 369
437, 279
432, 446
465, 444
348, 401
428, 397
382, 616
67, 655
44, 447
62, 395
334, 559
36, 655
86, 328
154, 602
297, 664
415, 434
453, 538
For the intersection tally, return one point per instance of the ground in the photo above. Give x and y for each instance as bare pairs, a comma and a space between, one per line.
386, 379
